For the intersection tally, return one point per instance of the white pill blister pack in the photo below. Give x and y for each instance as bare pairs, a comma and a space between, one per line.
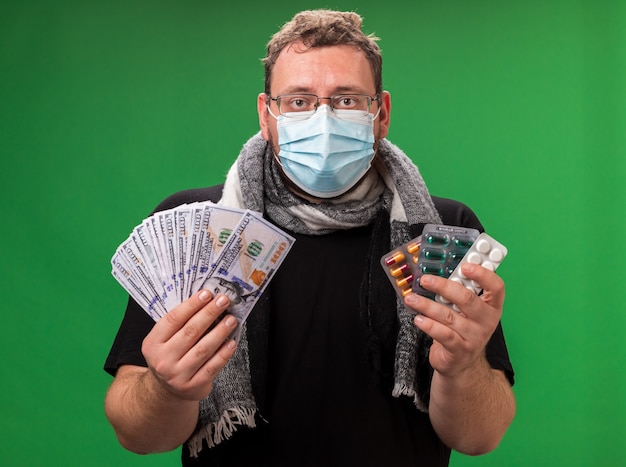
486, 252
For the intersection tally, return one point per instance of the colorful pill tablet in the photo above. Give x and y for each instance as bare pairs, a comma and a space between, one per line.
436, 270
395, 258
463, 242
398, 270
456, 256
413, 248
404, 281
437, 238
434, 254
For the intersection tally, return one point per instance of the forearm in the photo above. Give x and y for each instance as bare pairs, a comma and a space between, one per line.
471, 412
145, 417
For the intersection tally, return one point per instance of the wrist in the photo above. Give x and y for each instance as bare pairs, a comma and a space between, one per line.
159, 391
478, 368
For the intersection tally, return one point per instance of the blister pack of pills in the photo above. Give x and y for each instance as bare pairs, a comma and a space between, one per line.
437, 251
443, 248
487, 252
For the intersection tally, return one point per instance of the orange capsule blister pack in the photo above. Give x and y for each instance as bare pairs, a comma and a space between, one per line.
437, 251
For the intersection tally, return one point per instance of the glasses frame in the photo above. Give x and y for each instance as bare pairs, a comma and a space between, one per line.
308, 113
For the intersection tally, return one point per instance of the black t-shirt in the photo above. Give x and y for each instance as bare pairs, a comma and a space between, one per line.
323, 404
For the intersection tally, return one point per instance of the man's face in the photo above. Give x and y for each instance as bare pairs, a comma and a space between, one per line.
324, 71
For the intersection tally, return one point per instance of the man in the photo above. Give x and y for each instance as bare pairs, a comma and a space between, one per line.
331, 368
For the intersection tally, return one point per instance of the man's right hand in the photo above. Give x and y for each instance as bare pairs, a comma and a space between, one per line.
183, 357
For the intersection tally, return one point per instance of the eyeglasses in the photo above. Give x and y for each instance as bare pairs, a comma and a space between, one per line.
305, 105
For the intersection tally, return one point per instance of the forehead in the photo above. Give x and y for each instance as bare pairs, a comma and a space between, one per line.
322, 70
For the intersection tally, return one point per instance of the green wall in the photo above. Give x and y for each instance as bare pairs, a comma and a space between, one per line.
516, 108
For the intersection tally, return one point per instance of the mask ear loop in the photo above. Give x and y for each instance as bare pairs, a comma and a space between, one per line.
274, 153
269, 109
378, 111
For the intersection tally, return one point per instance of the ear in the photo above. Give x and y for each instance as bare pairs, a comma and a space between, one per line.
261, 107
384, 117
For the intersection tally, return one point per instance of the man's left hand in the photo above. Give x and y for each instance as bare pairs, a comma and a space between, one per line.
459, 337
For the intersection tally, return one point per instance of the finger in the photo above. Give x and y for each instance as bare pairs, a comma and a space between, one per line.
207, 372
177, 317
451, 291
463, 299
199, 322
438, 321
489, 281
205, 348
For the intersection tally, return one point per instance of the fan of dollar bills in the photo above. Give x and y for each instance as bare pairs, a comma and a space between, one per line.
174, 253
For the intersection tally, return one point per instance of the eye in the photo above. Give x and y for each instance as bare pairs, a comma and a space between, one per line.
346, 102
299, 103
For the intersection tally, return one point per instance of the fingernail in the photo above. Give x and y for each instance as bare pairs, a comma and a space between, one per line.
468, 267
230, 321
204, 295
419, 319
232, 344
427, 279
221, 301
412, 298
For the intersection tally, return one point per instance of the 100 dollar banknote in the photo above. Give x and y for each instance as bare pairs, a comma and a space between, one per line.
247, 262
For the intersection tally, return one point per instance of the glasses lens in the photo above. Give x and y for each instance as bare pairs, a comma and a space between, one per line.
291, 103
358, 102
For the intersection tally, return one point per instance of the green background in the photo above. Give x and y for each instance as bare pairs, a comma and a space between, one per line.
516, 108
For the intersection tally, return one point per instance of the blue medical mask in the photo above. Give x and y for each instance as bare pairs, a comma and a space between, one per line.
324, 155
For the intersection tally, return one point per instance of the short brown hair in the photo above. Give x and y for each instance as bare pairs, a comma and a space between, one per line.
317, 28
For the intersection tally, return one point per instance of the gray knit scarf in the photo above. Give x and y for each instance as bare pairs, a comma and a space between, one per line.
254, 182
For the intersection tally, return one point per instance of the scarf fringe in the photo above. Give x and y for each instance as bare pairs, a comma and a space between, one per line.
223, 429
400, 389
